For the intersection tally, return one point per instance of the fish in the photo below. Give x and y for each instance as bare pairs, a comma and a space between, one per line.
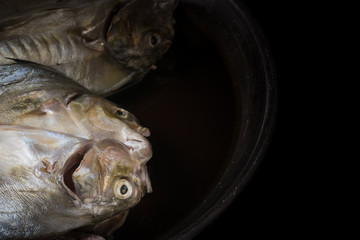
102, 45
69, 159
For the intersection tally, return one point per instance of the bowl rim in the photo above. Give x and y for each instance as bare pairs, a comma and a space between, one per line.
200, 218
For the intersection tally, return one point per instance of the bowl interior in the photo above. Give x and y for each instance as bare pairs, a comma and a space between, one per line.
208, 106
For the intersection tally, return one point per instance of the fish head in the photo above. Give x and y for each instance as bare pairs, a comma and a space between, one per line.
102, 119
108, 178
107, 174
141, 32
112, 174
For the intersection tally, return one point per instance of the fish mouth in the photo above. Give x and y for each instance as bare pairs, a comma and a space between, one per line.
71, 164
107, 153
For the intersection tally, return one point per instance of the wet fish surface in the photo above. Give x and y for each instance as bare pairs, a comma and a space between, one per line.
69, 159
103, 45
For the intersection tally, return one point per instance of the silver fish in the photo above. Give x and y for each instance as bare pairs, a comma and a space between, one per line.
102, 45
68, 158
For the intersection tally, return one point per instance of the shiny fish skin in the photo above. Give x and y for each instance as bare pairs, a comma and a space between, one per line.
102, 45
50, 125
25, 209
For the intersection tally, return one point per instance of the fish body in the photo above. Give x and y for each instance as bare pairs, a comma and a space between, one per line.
68, 158
102, 45
31, 205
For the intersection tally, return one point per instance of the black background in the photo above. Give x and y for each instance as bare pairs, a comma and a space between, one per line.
282, 199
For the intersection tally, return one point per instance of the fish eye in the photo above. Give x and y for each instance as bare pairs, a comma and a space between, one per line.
154, 39
119, 113
123, 189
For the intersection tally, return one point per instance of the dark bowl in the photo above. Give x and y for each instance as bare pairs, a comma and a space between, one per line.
210, 107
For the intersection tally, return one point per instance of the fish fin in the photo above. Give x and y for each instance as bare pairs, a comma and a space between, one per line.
27, 62
97, 45
91, 37
16, 60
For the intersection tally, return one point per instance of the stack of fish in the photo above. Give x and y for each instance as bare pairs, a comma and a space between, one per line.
72, 163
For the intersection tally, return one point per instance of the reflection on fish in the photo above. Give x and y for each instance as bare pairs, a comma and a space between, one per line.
102, 45
68, 158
